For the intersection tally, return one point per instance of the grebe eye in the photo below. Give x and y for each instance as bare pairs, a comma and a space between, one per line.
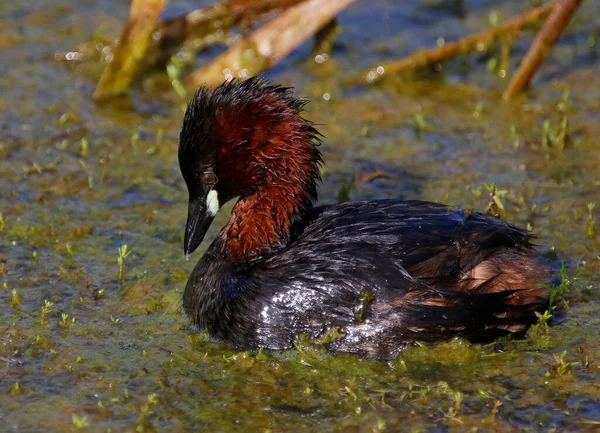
208, 178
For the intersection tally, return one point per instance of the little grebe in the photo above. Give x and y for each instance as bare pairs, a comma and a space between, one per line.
385, 273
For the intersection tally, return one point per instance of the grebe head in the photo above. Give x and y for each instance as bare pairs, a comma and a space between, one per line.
247, 140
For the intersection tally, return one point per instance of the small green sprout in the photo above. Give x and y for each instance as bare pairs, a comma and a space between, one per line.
153, 398
64, 321
419, 123
98, 294
351, 393
564, 101
555, 292
565, 285
45, 310
560, 366
546, 136
543, 319
84, 147
344, 193
457, 397
123, 253
2, 222
15, 299
591, 226
495, 206
16, 389
515, 136
80, 422
558, 137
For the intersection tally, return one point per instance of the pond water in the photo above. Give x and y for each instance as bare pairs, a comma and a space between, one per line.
84, 348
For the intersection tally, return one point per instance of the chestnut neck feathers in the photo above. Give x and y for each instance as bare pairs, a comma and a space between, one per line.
253, 137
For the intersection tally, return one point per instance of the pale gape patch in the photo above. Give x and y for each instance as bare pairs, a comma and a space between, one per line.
212, 202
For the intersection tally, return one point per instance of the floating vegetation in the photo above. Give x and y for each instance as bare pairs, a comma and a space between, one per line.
560, 366
116, 352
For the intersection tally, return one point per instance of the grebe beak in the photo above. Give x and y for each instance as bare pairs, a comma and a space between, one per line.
201, 212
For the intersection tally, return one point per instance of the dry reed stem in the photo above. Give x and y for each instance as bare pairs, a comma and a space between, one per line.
542, 45
481, 41
221, 16
134, 42
270, 43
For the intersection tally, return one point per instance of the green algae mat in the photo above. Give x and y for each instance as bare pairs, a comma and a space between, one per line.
93, 207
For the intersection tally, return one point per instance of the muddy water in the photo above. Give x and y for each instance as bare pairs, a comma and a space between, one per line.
85, 348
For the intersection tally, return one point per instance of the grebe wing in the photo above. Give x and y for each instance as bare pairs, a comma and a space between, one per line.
428, 238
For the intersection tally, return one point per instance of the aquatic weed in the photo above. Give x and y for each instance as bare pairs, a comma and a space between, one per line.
45, 310
495, 205
560, 366
556, 137
15, 299
80, 421
419, 123
515, 136
555, 292
122, 255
